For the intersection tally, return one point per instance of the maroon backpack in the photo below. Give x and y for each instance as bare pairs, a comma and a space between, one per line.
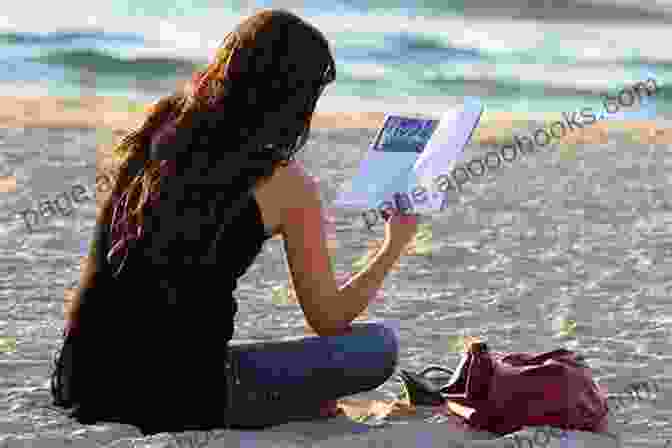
502, 392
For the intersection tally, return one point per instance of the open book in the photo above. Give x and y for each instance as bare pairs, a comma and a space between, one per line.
406, 157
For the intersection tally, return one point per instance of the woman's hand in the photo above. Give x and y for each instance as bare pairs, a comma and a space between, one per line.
400, 229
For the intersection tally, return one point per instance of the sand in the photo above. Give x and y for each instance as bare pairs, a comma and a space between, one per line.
403, 428
118, 115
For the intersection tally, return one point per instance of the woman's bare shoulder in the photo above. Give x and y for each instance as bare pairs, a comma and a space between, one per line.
290, 187
293, 178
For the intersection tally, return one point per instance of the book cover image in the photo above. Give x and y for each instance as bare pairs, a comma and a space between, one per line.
404, 134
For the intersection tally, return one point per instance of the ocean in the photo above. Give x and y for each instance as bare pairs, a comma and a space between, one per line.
528, 56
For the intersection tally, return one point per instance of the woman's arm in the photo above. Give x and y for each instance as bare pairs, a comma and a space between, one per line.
328, 309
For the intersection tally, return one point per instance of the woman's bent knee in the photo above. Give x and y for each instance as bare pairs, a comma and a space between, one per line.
391, 343
384, 342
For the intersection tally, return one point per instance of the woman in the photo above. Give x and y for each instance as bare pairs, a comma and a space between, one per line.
206, 179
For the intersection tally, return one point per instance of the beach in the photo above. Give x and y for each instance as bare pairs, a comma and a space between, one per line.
567, 247
567, 244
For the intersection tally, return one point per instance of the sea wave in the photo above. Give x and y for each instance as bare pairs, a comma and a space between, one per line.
106, 63
438, 50
66, 37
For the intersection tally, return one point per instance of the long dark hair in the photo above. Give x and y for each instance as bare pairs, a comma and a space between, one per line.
249, 111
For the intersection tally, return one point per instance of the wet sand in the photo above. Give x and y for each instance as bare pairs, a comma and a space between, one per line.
120, 116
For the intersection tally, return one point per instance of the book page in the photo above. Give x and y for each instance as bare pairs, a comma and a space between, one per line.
444, 149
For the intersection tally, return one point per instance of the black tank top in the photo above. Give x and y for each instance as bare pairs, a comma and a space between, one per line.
157, 334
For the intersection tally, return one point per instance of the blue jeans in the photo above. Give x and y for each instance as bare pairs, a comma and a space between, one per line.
280, 381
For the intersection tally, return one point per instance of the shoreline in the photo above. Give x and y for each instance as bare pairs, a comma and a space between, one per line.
121, 115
